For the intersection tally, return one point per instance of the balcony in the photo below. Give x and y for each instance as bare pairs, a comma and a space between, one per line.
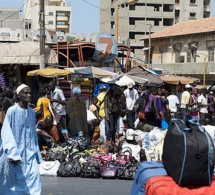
63, 18
62, 26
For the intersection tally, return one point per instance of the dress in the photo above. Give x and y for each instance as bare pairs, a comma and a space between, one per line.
76, 117
19, 142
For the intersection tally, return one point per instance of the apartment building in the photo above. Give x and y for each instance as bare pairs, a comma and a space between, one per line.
147, 16
57, 15
10, 18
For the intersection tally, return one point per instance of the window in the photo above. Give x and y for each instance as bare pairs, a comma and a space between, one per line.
162, 49
192, 2
112, 25
189, 56
177, 50
51, 13
192, 15
210, 45
50, 22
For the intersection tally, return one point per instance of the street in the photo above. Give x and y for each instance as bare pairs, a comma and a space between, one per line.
79, 186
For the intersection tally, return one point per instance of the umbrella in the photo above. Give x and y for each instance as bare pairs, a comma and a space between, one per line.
91, 72
49, 72
141, 72
123, 80
175, 79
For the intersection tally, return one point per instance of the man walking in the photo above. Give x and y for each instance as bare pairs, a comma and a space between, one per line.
19, 151
131, 96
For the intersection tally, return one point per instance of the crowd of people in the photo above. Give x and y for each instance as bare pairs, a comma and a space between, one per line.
54, 119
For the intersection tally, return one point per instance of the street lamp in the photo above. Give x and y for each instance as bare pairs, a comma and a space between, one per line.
204, 71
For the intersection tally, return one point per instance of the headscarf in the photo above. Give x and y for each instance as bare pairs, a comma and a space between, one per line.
76, 90
20, 88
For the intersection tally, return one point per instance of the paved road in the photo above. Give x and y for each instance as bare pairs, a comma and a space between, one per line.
79, 186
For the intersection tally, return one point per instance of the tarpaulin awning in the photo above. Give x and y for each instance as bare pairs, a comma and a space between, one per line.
175, 79
123, 80
25, 53
49, 72
142, 72
91, 72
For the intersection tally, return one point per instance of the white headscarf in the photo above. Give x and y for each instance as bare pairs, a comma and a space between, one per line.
20, 88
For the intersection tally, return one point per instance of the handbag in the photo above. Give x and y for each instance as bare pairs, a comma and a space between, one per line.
110, 170
70, 169
91, 170
122, 157
49, 168
40, 112
128, 171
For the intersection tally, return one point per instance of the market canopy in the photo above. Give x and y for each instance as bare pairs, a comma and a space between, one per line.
123, 80
175, 79
49, 72
25, 53
144, 73
91, 72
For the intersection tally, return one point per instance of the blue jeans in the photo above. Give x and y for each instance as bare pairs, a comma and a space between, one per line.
130, 117
112, 127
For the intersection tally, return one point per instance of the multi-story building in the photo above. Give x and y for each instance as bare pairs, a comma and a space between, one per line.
57, 15
147, 16
10, 18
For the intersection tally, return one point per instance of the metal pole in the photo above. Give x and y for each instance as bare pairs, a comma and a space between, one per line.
149, 57
42, 35
116, 31
204, 73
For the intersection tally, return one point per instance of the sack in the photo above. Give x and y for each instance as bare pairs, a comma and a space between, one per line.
164, 124
109, 170
40, 112
49, 168
145, 171
188, 153
165, 185
70, 169
128, 171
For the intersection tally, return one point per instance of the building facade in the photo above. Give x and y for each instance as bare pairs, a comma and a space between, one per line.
147, 16
186, 48
57, 15
10, 18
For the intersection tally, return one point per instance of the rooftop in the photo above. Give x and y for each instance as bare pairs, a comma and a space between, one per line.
205, 25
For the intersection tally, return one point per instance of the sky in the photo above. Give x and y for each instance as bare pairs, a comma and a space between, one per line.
85, 17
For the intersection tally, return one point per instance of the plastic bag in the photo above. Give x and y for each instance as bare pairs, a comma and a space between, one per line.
164, 124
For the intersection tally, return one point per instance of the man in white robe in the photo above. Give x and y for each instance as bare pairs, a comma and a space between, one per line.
19, 151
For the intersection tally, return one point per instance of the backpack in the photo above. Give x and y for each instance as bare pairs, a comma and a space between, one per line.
188, 153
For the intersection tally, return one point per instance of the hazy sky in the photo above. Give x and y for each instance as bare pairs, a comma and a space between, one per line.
85, 17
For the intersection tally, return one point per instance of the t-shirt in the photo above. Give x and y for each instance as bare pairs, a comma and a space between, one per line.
100, 103
173, 101
203, 100
58, 95
185, 97
131, 97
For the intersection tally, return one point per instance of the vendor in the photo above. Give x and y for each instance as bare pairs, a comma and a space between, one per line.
47, 132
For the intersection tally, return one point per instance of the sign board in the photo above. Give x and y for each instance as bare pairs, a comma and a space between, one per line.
105, 48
